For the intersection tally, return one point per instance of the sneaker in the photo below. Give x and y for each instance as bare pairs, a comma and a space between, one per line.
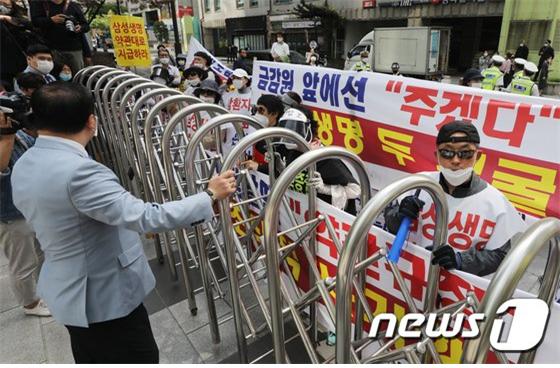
40, 310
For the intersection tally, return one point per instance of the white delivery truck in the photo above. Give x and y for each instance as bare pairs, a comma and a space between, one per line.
420, 51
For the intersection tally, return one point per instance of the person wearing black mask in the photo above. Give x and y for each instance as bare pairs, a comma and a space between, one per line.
63, 25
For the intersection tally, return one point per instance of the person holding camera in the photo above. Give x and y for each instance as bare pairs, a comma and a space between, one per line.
63, 25
17, 239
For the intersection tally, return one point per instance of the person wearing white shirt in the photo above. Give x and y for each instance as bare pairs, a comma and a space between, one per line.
280, 50
164, 72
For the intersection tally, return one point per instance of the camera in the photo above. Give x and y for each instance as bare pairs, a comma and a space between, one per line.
70, 23
19, 112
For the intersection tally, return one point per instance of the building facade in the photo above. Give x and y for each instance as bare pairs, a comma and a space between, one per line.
532, 22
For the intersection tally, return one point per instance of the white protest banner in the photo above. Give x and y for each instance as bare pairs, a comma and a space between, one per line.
217, 66
391, 123
382, 291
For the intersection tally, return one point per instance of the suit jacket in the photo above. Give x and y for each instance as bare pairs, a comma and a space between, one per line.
87, 224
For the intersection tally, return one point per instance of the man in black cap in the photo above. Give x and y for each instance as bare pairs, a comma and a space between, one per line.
481, 223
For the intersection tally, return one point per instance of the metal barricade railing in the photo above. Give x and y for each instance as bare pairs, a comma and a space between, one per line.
241, 257
506, 279
319, 288
356, 242
199, 166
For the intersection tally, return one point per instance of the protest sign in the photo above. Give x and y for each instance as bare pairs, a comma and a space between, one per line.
130, 40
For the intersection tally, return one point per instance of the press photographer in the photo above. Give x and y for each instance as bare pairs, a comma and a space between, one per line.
63, 24
17, 240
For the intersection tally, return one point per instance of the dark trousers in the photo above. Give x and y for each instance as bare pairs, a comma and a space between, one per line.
124, 340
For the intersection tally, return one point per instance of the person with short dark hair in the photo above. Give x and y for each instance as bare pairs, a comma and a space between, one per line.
40, 61
545, 52
280, 50
63, 25
243, 61
193, 77
493, 222
543, 74
522, 51
17, 239
95, 274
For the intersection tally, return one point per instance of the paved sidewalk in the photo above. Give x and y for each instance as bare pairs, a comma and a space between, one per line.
181, 337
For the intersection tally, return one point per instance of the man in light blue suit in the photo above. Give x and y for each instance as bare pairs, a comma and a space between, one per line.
95, 274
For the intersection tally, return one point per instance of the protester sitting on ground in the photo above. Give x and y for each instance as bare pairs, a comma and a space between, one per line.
475, 249
17, 238
193, 77
333, 181
65, 74
472, 78
165, 73
268, 111
204, 61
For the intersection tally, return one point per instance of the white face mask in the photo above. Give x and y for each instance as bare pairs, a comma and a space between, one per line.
45, 66
201, 66
313, 59
164, 60
280, 39
261, 119
457, 177
193, 82
238, 83
207, 99
364, 60
476, 84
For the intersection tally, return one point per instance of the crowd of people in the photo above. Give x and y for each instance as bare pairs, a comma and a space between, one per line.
513, 73
81, 226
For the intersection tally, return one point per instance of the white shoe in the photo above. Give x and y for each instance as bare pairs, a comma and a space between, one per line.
40, 310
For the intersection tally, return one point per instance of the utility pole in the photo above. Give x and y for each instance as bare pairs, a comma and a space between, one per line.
175, 27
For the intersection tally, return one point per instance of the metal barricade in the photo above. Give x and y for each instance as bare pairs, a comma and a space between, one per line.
241, 257
356, 242
319, 288
506, 279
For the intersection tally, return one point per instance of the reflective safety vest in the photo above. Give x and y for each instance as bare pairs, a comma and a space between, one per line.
361, 67
518, 74
522, 86
491, 76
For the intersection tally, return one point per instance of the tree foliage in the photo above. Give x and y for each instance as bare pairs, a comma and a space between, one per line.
161, 32
330, 18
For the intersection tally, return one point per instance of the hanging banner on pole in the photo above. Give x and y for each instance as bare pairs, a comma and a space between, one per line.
130, 41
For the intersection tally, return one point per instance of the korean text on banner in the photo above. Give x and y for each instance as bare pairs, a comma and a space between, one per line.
130, 41
391, 122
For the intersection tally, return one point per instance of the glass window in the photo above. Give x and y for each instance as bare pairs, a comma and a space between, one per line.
207, 5
254, 3
217, 4
282, 1
532, 31
240, 3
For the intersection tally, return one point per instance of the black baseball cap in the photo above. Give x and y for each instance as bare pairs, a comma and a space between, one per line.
446, 131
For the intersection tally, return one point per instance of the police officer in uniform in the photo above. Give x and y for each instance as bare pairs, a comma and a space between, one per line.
363, 64
519, 65
493, 76
524, 85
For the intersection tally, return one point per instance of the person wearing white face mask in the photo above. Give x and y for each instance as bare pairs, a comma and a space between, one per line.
482, 222
204, 61
164, 72
280, 50
363, 65
238, 101
40, 61
193, 77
